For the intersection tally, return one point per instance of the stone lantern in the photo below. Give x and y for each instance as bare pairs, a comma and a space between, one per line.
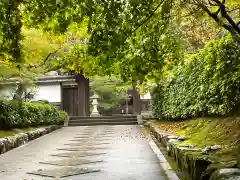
95, 104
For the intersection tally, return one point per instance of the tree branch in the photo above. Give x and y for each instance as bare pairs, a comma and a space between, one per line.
227, 17
45, 60
238, 8
232, 26
212, 4
216, 18
144, 21
149, 17
217, 4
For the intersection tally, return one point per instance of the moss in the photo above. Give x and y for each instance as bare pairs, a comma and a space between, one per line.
6, 134
204, 132
191, 163
13, 132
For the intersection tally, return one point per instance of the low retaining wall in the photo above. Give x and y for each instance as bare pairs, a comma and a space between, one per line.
196, 167
9, 143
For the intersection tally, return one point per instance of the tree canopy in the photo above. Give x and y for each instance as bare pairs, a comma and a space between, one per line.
130, 38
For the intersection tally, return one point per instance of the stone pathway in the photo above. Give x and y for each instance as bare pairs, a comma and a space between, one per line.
86, 153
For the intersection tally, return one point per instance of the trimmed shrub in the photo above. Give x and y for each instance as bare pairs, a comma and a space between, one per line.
17, 114
205, 84
63, 116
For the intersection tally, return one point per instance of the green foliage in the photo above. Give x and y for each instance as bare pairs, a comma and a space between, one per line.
109, 91
63, 116
133, 39
119, 38
202, 132
8, 69
17, 114
206, 83
53, 16
37, 45
10, 30
134, 44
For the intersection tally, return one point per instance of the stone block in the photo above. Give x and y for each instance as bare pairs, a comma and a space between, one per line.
226, 174
63, 172
238, 161
215, 166
9, 143
3, 142
140, 119
190, 164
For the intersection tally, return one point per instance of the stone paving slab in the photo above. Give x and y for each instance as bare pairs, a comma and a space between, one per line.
87, 141
127, 157
82, 137
85, 134
84, 140
105, 134
92, 139
102, 136
71, 162
108, 131
82, 148
89, 131
78, 154
63, 172
88, 144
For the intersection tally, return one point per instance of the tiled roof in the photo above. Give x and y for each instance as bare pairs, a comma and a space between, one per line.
45, 79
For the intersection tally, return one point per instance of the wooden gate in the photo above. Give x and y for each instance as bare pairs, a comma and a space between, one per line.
70, 100
75, 97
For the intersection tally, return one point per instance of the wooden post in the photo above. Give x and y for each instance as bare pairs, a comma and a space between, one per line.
126, 102
61, 94
83, 95
136, 100
87, 103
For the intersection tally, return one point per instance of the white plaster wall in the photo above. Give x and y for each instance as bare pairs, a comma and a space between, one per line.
51, 93
6, 92
146, 96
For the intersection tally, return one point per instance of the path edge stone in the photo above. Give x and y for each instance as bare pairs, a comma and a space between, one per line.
12, 142
171, 175
206, 172
66, 121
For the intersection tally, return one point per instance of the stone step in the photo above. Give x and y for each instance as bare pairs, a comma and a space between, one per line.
102, 120
102, 123
102, 117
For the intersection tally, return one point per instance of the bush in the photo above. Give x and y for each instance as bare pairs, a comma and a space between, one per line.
17, 114
63, 116
205, 84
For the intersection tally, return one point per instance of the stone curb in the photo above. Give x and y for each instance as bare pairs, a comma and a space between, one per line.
196, 168
171, 175
66, 122
9, 143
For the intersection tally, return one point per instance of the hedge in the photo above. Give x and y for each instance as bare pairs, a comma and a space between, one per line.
204, 84
63, 116
17, 114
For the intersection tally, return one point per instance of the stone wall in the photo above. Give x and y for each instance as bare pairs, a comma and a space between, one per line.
9, 143
195, 166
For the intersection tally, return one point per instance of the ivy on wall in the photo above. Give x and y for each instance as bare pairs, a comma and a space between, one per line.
205, 83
